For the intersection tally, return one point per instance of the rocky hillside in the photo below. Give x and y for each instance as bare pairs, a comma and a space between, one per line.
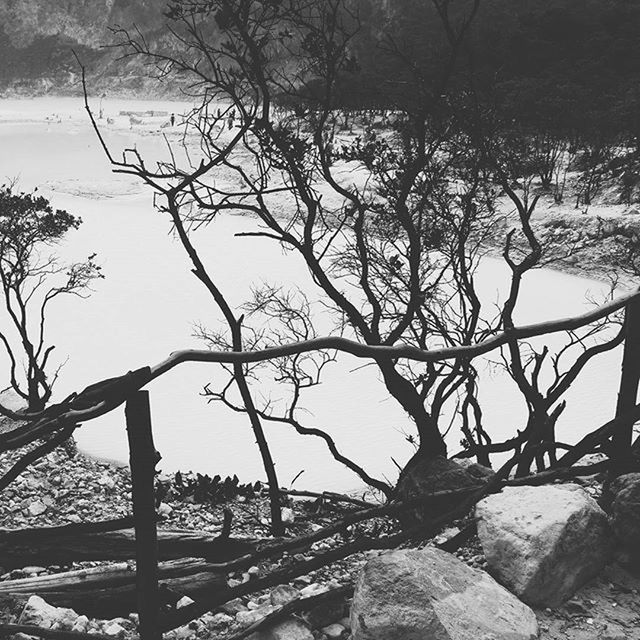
37, 38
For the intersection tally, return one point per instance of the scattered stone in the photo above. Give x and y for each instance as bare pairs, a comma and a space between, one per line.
431, 594
543, 543
184, 602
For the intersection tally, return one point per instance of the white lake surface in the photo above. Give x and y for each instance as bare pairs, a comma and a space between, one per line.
148, 303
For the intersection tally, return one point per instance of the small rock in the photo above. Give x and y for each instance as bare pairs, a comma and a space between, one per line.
81, 624
113, 629
34, 571
313, 590
219, 620
283, 594
164, 509
334, 630
184, 602
233, 607
183, 633
106, 481
290, 630
37, 508
288, 515
249, 617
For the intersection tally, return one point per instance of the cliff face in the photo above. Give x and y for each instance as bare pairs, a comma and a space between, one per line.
37, 36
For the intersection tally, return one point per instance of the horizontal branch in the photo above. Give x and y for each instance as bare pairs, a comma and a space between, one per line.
104, 396
381, 352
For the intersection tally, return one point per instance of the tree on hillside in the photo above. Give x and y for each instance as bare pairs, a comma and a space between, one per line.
31, 280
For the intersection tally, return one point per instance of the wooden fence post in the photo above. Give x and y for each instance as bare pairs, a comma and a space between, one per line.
629, 379
143, 459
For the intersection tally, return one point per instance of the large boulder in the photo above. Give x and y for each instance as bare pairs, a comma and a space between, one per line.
423, 476
419, 594
625, 511
543, 543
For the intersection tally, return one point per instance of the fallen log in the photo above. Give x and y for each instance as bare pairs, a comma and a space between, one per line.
63, 545
110, 591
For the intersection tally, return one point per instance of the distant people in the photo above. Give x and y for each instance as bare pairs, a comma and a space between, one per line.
173, 119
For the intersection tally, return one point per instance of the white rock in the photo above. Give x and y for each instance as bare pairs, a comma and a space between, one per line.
113, 629
183, 633
37, 508
81, 624
313, 590
106, 481
249, 617
334, 630
33, 570
284, 593
164, 509
290, 630
288, 515
42, 614
218, 620
429, 593
543, 543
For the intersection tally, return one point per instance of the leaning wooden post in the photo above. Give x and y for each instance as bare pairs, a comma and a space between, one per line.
143, 459
629, 379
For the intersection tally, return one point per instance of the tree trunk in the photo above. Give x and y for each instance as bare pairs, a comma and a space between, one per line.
62, 545
628, 392
431, 444
108, 592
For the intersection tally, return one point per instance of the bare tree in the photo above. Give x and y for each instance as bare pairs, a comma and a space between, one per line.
541, 374
31, 281
390, 221
394, 258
